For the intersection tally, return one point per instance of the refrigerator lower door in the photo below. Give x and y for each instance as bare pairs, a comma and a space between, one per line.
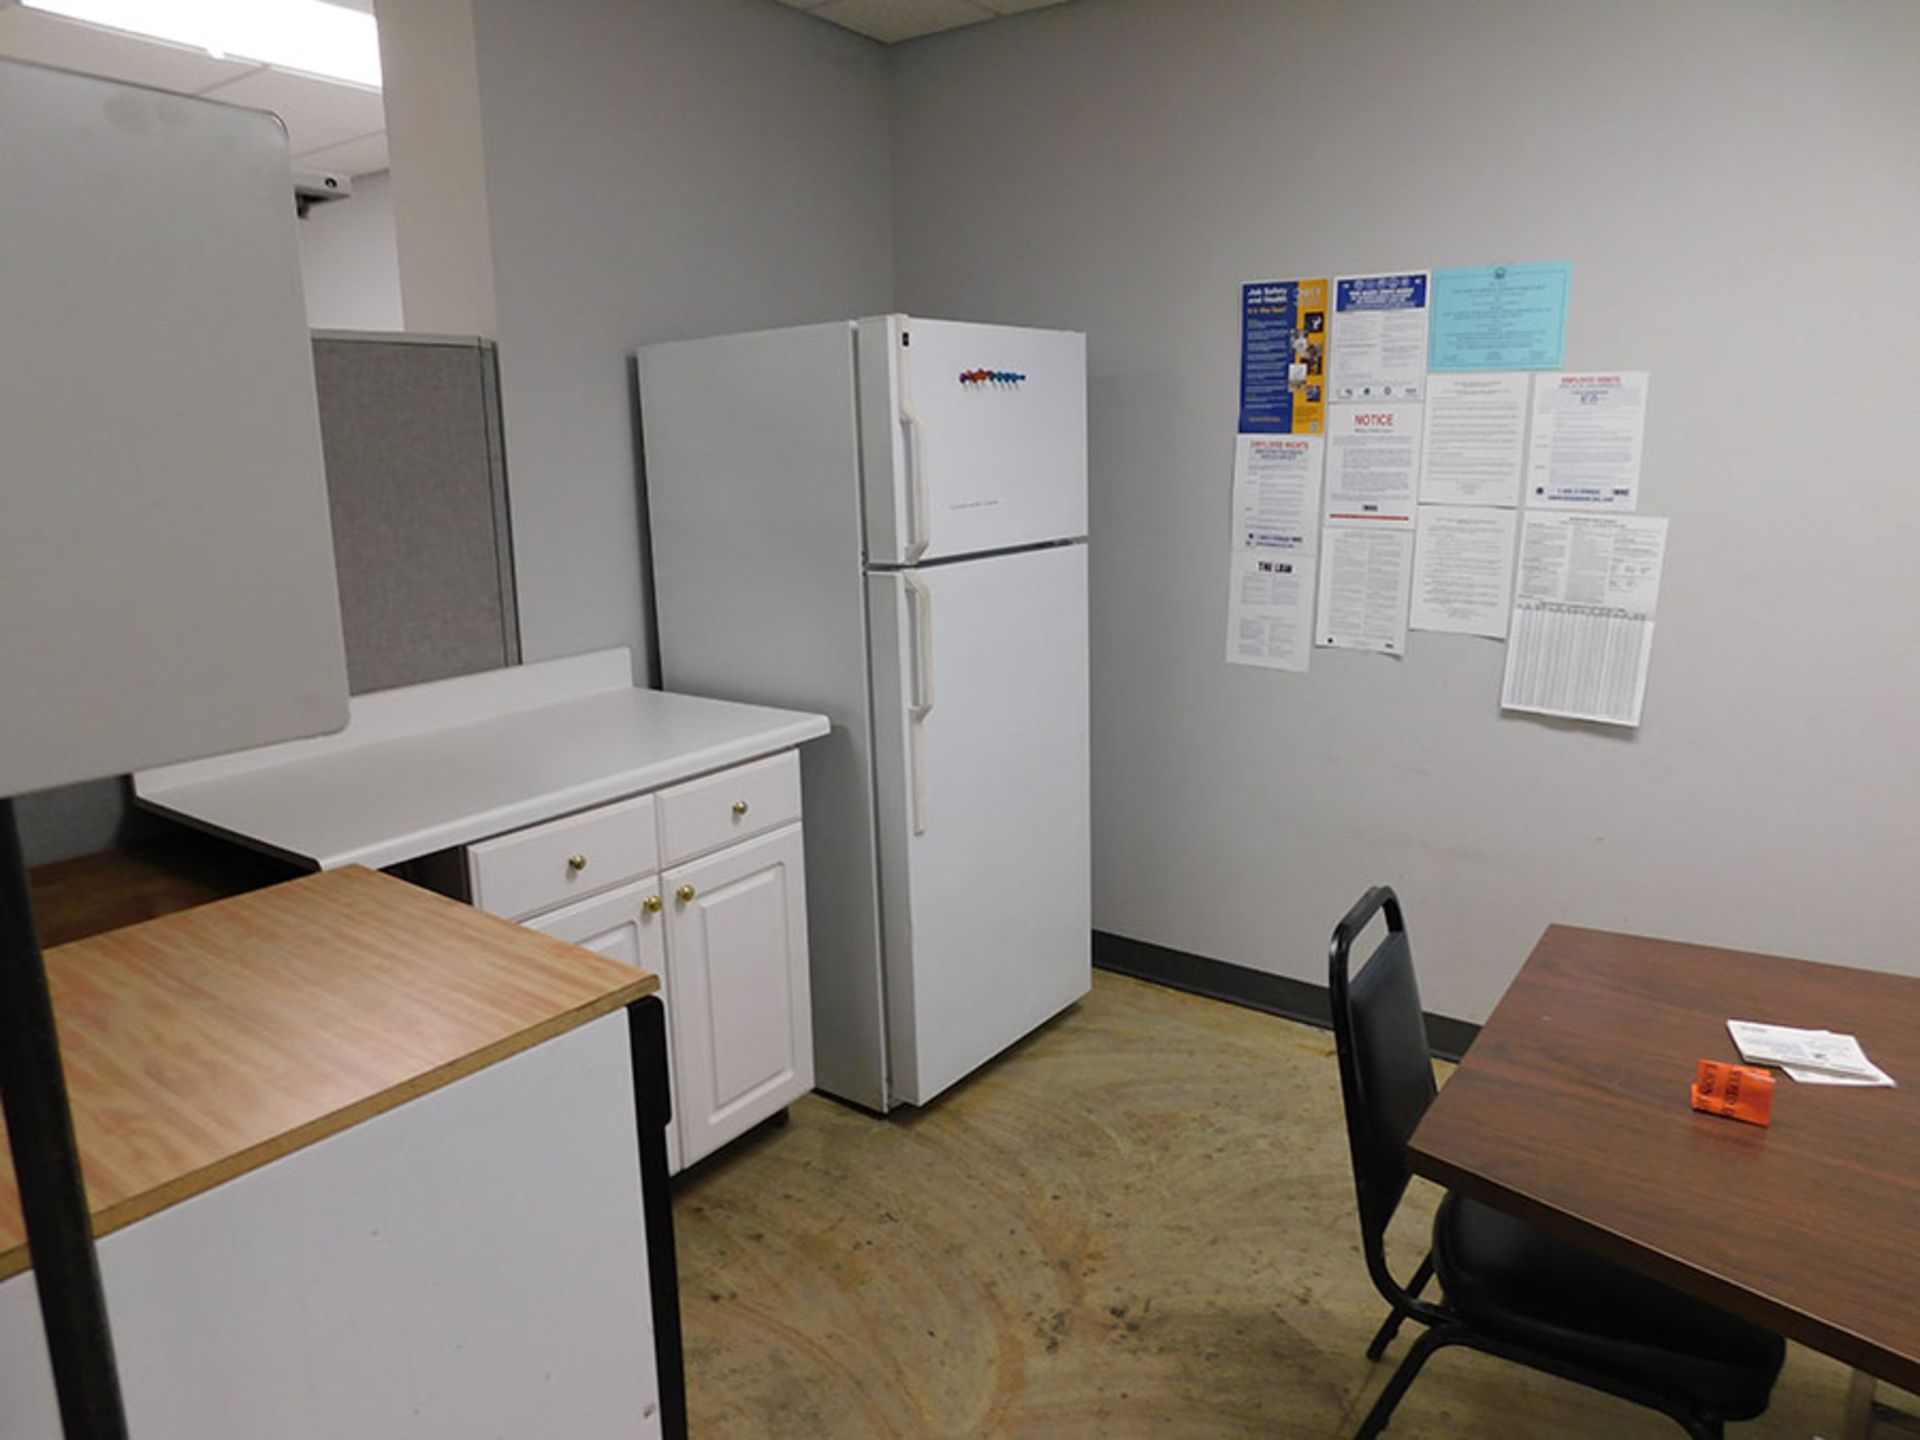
973, 437
980, 703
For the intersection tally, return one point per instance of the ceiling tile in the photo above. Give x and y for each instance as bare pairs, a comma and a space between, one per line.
318, 113
359, 157
889, 21
1015, 7
51, 40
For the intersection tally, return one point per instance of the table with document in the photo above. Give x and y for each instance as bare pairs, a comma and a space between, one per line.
1571, 1110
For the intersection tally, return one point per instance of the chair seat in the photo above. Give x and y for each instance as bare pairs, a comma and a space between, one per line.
1515, 1282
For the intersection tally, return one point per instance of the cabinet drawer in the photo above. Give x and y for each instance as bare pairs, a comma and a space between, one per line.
516, 875
746, 800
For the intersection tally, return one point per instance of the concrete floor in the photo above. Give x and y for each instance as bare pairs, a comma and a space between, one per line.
1139, 1222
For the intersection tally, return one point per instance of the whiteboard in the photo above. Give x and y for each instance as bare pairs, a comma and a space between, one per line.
166, 565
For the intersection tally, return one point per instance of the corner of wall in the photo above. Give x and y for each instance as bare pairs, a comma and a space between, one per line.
439, 179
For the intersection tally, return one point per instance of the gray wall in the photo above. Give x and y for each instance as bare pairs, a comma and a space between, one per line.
349, 261
1735, 182
655, 169
432, 103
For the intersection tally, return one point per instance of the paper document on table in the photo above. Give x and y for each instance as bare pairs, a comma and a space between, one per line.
1816, 1057
1582, 633
1877, 1077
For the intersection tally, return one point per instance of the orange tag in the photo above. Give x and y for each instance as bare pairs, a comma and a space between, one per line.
1741, 1092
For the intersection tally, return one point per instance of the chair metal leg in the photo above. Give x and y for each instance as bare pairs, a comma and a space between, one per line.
1390, 1327
1859, 1421
1390, 1397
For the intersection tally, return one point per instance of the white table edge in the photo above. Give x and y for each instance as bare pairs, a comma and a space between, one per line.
443, 708
412, 710
466, 828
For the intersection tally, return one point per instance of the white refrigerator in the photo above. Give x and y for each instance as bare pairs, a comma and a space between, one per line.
885, 521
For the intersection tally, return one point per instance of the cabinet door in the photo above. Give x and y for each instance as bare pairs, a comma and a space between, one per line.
620, 926
737, 961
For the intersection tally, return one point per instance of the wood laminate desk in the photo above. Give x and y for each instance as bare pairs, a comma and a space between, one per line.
91, 894
364, 1161
1572, 1110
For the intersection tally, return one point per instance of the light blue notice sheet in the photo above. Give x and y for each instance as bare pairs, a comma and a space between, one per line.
1500, 317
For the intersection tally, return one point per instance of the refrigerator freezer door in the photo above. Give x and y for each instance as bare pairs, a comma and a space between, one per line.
980, 704
974, 437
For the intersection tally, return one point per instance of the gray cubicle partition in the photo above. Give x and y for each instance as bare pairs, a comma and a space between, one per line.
416, 483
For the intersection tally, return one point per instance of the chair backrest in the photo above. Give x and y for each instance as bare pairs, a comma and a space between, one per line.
1386, 1069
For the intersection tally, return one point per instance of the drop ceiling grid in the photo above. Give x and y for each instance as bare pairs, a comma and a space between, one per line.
330, 126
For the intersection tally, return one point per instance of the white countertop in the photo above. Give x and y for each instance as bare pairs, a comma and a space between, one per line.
433, 766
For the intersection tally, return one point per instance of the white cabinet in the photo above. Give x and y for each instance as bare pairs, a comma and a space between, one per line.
565, 859
627, 925
737, 970
736, 804
725, 928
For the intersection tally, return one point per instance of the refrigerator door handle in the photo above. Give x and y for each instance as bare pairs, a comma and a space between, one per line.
920, 601
919, 533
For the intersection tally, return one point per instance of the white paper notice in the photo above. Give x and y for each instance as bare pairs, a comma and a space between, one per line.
1463, 570
1365, 571
1813, 1057
1276, 531
1476, 438
1582, 633
1270, 612
1276, 492
1587, 436
1379, 343
1373, 464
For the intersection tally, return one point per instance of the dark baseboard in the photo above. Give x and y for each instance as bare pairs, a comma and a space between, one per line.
1256, 989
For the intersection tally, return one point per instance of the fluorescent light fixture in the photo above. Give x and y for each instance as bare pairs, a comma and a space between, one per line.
312, 36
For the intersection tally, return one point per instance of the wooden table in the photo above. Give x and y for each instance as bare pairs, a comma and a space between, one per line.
327, 1119
1572, 1110
175, 870
206, 1044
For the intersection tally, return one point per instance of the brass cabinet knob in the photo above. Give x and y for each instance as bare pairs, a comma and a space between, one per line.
651, 904
739, 808
685, 893
576, 862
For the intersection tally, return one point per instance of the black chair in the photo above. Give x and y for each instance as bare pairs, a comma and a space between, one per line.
1509, 1289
